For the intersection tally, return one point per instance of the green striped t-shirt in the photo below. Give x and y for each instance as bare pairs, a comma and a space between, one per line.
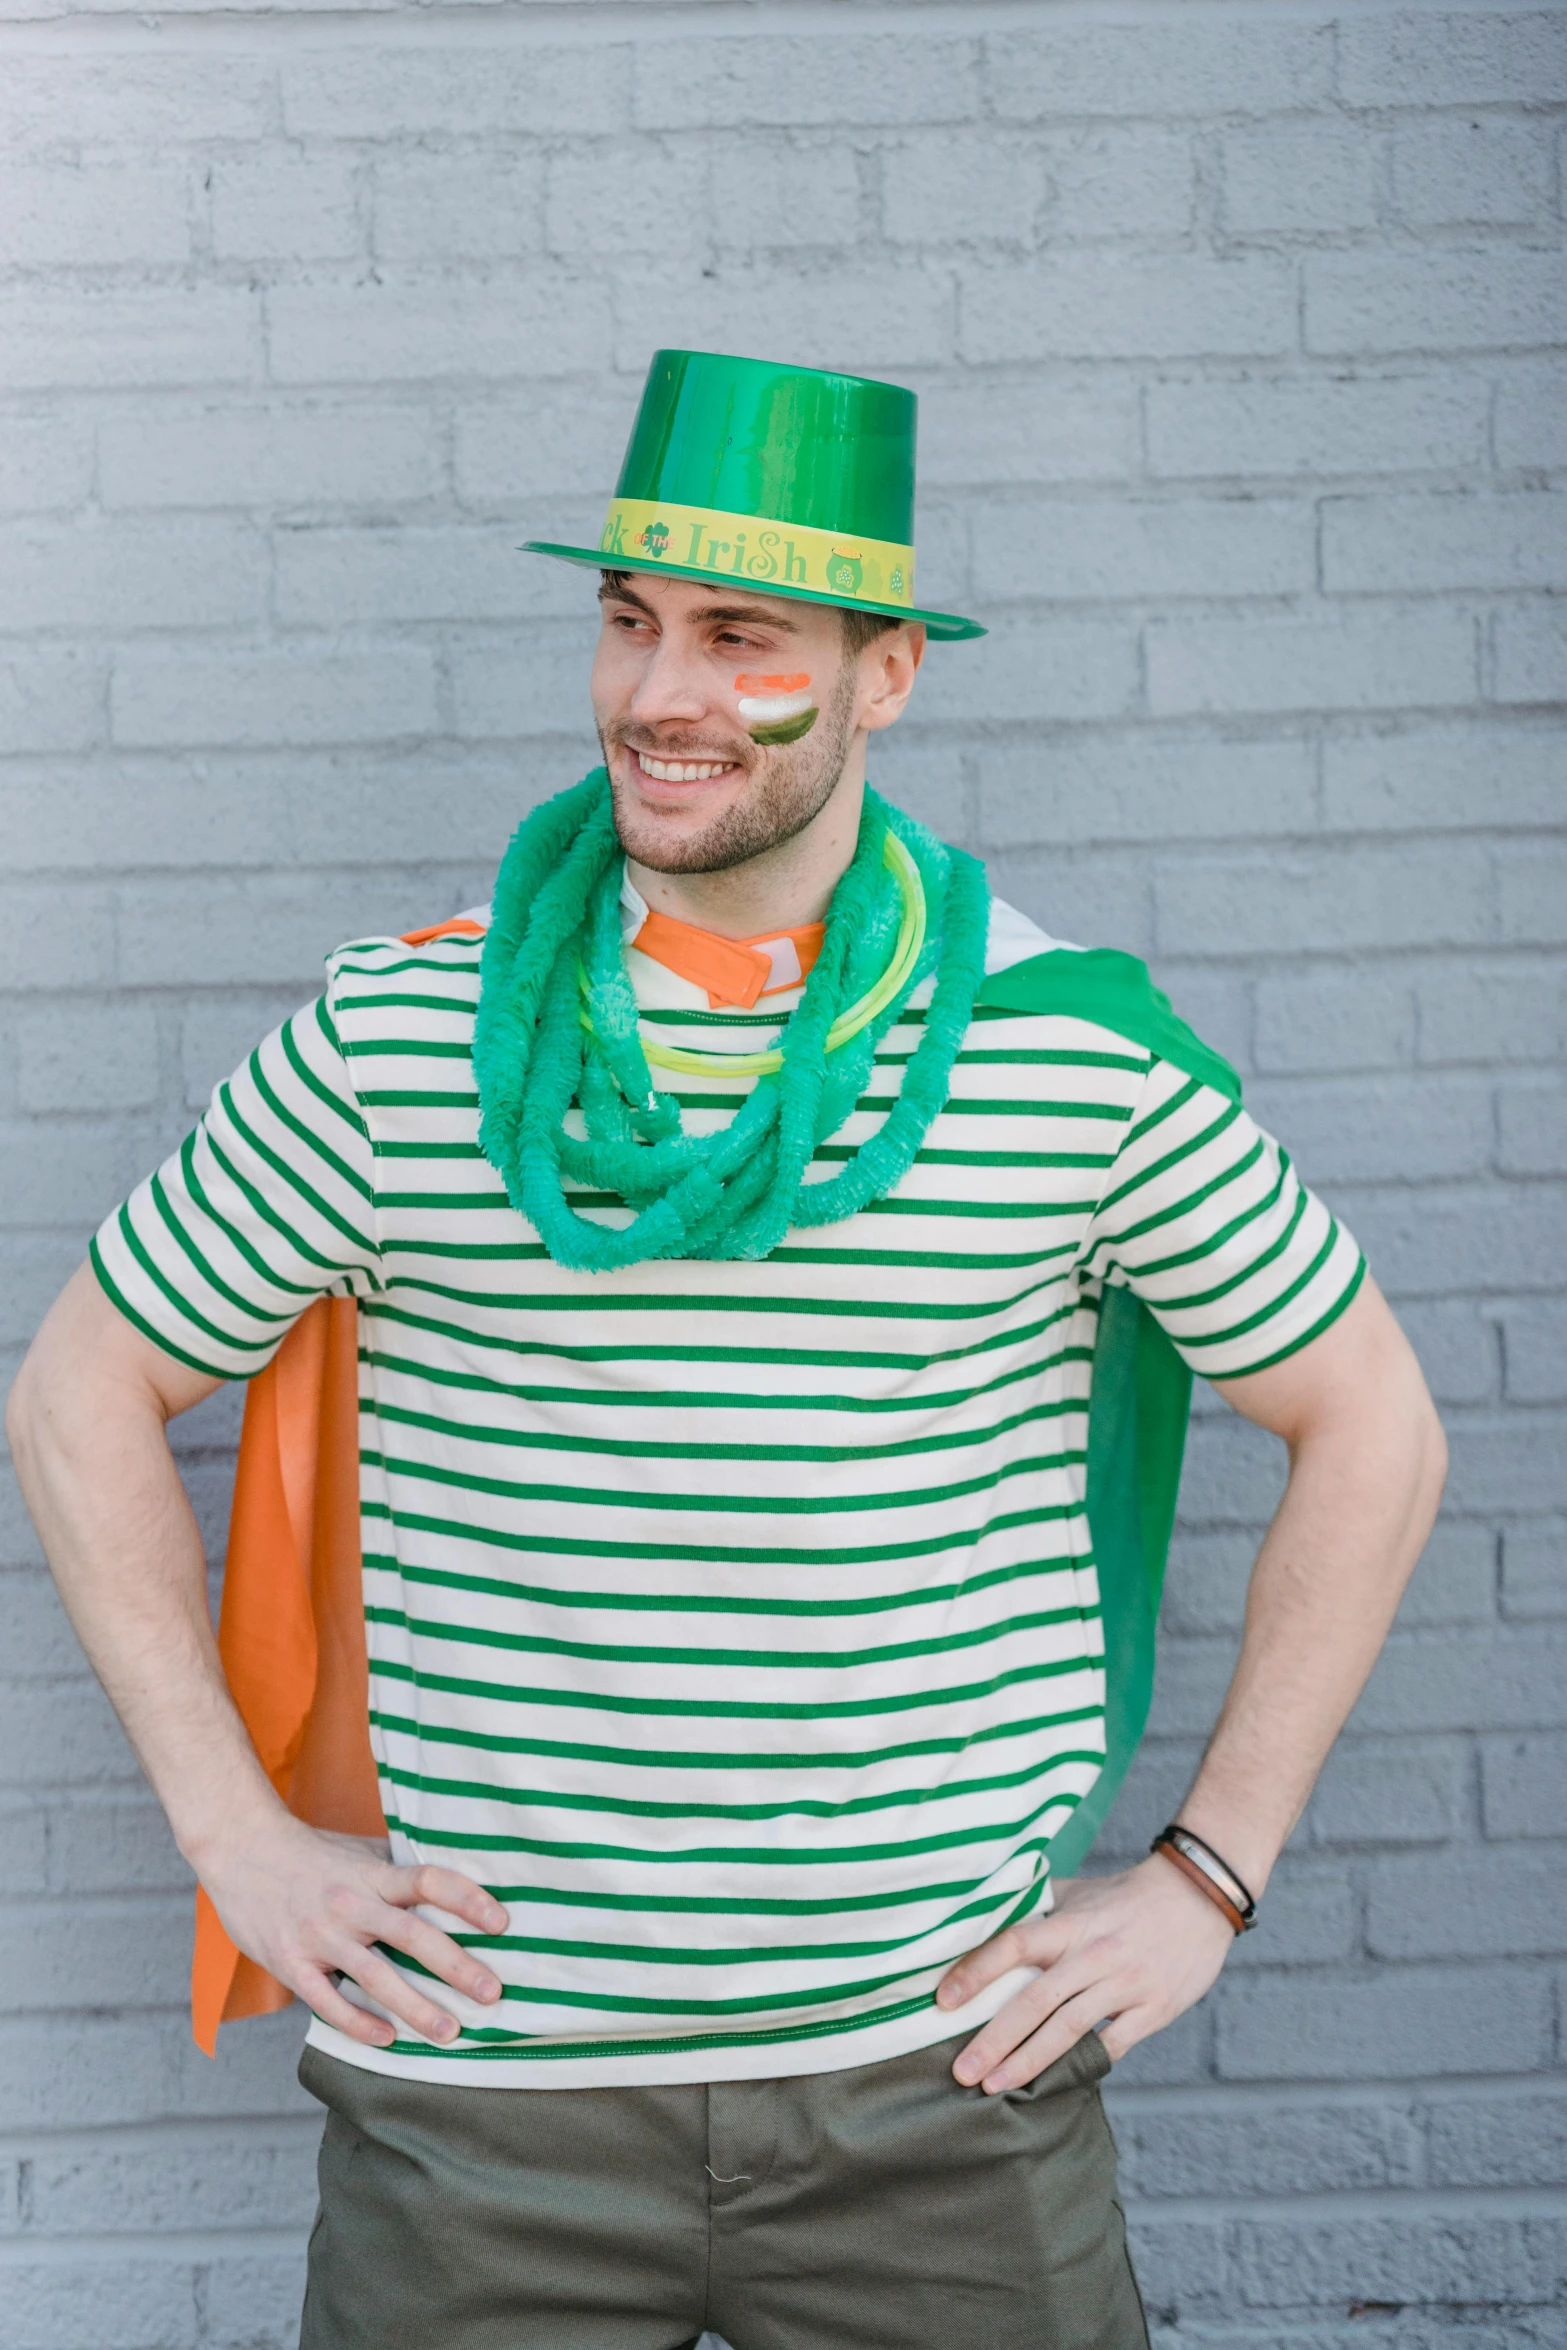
735, 1624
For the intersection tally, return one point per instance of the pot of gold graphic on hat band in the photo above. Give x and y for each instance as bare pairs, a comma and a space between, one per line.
788, 481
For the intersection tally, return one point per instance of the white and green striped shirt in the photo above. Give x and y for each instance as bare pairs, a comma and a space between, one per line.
735, 1624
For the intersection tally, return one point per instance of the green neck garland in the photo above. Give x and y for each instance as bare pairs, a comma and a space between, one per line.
733, 1194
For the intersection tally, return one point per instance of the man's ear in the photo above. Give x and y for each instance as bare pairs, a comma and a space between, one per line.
888, 667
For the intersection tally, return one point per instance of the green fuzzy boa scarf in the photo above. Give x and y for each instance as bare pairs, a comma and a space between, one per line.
735, 1193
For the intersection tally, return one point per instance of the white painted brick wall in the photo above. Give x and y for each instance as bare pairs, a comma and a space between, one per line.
1241, 335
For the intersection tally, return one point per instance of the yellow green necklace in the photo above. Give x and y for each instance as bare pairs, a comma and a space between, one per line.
558, 1026
691, 1062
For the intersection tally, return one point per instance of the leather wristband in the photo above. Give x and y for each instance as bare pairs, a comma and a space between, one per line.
1193, 1857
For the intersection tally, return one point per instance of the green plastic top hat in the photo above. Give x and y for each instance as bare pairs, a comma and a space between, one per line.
797, 482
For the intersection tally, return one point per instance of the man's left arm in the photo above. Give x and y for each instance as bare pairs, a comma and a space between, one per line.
1367, 1459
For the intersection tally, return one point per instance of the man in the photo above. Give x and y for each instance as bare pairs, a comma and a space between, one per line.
777, 1271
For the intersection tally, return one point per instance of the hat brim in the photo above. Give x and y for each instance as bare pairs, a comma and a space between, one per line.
946, 625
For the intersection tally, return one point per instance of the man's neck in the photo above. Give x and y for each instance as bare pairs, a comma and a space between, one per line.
783, 889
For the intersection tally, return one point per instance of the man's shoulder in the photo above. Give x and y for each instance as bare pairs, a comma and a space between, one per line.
451, 946
1030, 974
382, 988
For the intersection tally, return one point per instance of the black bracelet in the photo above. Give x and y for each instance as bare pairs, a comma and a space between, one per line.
1202, 1855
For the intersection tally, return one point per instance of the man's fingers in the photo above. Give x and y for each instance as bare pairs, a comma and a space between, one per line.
1013, 2024
1030, 2057
314, 1907
443, 1889
321, 1995
1125, 2030
391, 1989
438, 1954
381, 1981
1131, 1952
357, 1915
1038, 1943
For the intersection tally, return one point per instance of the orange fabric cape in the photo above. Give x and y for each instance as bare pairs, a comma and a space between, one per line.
291, 1631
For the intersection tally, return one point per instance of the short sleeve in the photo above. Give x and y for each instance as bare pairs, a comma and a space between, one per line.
267, 1205
1206, 1220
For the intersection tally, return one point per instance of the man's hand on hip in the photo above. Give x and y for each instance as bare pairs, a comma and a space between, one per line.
309, 1906
88, 1426
1132, 1952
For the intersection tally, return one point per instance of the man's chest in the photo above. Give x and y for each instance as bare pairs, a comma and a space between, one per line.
930, 1340
999, 1195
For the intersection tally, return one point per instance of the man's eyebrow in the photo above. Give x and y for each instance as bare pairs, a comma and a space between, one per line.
754, 615
611, 592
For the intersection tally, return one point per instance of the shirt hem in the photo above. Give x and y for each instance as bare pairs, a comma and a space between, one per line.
762, 2060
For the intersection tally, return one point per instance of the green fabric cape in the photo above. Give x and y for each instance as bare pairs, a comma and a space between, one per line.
1140, 1391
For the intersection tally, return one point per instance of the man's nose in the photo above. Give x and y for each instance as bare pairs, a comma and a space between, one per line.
673, 688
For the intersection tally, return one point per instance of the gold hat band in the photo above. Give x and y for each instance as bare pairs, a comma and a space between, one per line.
643, 536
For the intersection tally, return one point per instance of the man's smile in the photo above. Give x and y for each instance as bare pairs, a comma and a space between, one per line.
654, 770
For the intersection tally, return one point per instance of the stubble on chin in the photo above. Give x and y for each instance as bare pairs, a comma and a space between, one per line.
784, 791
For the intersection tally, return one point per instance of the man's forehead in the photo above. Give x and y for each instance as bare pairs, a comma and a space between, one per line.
695, 600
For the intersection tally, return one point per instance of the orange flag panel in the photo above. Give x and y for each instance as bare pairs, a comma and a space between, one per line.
291, 1631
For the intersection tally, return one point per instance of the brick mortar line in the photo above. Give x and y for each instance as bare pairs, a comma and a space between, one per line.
538, 24
187, 2247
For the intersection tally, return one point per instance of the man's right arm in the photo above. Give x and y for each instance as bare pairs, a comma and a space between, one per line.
87, 1422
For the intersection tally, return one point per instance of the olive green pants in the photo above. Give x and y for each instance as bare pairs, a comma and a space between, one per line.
884, 2208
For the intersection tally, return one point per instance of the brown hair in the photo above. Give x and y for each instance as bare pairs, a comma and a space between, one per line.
862, 628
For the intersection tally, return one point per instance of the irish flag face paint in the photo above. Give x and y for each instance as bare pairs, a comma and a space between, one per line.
776, 709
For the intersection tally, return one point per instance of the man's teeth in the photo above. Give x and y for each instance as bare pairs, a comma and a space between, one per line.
683, 770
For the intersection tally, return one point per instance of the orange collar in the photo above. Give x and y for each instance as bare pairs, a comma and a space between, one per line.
734, 971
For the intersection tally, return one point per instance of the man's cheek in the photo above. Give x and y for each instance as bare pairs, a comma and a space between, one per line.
616, 672
777, 709
601, 692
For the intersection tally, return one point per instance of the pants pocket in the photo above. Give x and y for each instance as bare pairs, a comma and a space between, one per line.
1084, 2066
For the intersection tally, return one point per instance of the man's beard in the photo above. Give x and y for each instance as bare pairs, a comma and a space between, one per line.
788, 790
